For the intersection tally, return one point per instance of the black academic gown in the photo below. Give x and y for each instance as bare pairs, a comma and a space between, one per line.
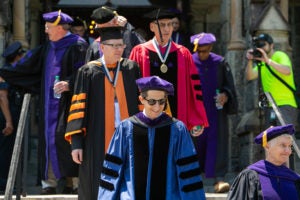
246, 186
89, 117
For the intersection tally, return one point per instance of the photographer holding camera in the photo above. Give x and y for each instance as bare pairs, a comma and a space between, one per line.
276, 77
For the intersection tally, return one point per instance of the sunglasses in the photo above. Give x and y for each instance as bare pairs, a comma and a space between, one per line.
152, 102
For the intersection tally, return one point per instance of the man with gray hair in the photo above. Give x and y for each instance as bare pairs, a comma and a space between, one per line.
61, 56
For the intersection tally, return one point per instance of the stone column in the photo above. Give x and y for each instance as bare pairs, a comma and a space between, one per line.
236, 42
284, 7
2, 41
35, 24
19, 21
4, 22
235, 57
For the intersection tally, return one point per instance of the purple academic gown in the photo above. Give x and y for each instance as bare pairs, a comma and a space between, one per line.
51, 106
35, 73
277, 182
264, 180
207, 143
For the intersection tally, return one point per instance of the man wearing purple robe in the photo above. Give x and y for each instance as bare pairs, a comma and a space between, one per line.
269, 179
61, 56
219, 98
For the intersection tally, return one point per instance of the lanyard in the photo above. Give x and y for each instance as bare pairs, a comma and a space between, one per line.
117, 69
163, 60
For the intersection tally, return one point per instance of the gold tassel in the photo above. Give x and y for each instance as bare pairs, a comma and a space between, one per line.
264, 139
55, 23
168, 109
195, 44
115, 12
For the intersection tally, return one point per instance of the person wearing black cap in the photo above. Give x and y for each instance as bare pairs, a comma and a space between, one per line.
276, 77
10, 106
78, 26
173, 62
61, 56
148, 156
107, 17
105, 93
269, 179
219, 97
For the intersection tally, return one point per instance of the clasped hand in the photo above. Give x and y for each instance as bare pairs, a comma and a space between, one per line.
197, 130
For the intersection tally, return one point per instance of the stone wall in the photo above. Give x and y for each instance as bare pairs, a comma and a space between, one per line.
5, 21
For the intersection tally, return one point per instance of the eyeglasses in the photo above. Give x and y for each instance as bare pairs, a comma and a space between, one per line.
48, 27
115, 46
163, 25
152, 102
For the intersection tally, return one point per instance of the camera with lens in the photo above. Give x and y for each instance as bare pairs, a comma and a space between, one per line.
256, 43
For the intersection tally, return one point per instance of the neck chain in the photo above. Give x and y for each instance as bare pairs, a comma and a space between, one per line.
117, 69
163, 67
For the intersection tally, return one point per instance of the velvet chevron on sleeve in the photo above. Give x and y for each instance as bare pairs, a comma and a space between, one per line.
91, 120
156, 162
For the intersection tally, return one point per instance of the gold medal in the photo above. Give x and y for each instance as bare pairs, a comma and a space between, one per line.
163, 68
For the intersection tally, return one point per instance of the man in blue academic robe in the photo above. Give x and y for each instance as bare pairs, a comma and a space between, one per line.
151, 155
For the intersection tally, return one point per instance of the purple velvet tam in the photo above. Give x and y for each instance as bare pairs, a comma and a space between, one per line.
155, 83
203, 39
273, 132
57, 17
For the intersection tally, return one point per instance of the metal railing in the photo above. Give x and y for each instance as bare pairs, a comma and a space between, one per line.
14, 164
281, 120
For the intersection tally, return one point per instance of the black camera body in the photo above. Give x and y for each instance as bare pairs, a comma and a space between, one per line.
256, 53
257, 43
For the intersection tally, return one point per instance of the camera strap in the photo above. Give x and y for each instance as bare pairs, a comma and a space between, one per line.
280, 79
262, 100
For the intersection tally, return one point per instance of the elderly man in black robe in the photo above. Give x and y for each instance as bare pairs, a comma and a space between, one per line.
104, 94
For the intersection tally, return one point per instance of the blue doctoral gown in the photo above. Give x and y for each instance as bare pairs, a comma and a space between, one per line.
151, 162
